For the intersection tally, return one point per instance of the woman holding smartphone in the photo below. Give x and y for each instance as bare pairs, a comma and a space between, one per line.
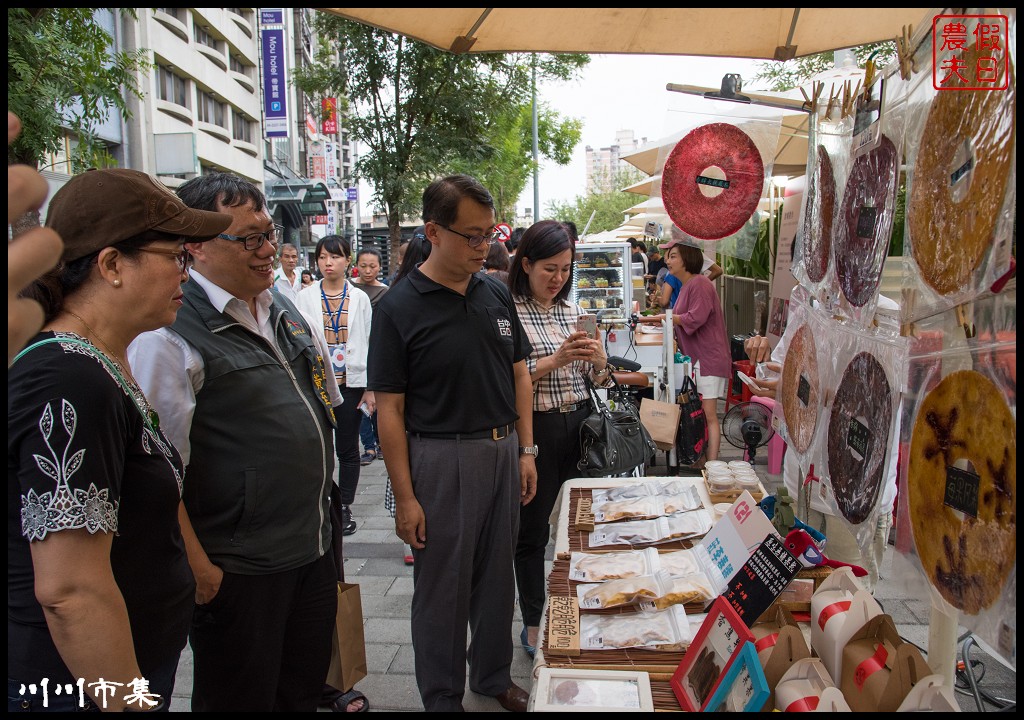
563, 355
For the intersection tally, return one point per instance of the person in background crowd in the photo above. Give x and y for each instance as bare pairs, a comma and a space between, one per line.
513, 242
368, 264
448, 363
842, 545
368, 268
655, 263
639, 253
98, 582
560, 361
670, 285
240, 374
345, 313
700, 333
400, 257
29, 254
286, 279
307, 278
497, 262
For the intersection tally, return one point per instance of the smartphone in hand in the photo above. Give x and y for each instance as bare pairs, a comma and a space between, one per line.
587, 323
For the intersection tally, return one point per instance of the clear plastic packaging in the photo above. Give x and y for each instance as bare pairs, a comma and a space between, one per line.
666, 630
680, 526
956, 530
599, 567
644, 489
651, 506
961, 184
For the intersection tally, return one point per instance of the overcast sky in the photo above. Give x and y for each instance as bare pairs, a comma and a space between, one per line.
620, 92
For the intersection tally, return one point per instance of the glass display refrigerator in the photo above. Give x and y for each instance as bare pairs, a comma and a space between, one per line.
602, 280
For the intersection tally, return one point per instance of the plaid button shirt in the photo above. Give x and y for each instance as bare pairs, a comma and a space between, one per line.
547, 329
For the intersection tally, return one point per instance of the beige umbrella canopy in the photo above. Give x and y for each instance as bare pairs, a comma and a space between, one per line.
759, 33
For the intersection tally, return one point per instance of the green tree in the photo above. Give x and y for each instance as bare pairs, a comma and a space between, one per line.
507, 163
606, 205
419, 111
779, 77
63, 75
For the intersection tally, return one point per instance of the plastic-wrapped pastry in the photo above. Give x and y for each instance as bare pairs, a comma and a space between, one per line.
666, 630
643, 489
614, 593
634, 508
598, 567
686, 589
680, 526
680, 562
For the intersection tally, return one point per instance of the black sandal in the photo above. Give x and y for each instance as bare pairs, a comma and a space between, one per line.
341, 702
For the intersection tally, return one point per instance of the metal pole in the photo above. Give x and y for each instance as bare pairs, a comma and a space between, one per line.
536, 160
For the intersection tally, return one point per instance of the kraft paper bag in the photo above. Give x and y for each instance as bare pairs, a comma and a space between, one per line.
348, 650
661, 420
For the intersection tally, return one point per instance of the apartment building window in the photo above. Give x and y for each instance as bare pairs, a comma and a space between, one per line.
241, 127
210, 110
204, 38
236, 65
176, 13
170, 87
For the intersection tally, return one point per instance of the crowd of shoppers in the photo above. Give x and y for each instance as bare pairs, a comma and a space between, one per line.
149, 497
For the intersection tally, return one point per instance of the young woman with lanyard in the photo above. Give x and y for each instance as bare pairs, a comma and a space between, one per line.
560, 361
344, 311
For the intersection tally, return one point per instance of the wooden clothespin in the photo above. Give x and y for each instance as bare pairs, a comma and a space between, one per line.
905, 53
909, 301
832, 98
965, 318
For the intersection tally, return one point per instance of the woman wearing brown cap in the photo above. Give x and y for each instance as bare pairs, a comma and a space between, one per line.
98, 582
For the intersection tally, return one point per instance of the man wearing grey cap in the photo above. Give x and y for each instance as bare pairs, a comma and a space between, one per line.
239, 374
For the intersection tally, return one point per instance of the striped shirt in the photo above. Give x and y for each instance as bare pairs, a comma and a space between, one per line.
547, 329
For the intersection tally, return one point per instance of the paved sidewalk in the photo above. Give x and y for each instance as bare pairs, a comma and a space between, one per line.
374, 560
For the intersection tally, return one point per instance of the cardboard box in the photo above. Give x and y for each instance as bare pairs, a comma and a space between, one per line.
779, 644
807, 687
879, 668
839, 608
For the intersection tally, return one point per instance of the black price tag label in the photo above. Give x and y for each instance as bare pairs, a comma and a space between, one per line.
762, 579
961, 171
713, 182
857, 437
803, 391
962, 490
866, 220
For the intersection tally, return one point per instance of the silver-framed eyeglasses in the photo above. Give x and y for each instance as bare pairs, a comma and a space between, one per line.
477, 240
255, 240
182, 257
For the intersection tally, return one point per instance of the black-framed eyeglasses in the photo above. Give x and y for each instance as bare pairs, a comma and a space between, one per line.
477, 240
255, 240
183, 258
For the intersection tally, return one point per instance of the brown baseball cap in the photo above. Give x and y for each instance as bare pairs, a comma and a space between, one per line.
100, 208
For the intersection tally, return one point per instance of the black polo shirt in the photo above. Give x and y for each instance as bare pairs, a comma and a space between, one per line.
450, 354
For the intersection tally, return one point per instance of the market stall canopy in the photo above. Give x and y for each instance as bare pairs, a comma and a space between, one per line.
650, 205
758, 33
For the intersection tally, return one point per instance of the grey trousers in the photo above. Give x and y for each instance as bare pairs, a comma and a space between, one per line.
469, 491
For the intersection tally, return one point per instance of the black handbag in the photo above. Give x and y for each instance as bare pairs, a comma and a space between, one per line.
691, 438
612, 442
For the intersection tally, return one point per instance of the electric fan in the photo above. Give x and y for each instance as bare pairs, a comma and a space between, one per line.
748, 425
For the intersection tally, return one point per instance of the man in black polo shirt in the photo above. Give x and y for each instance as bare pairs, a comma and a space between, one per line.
454, 415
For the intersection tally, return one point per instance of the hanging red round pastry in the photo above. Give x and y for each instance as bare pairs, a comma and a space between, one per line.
709, 146
865, 222
821, 207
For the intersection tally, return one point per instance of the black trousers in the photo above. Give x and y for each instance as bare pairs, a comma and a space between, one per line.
558, 438
264, 643
346, 442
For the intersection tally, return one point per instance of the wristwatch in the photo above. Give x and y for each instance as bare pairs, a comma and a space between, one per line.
529, 450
